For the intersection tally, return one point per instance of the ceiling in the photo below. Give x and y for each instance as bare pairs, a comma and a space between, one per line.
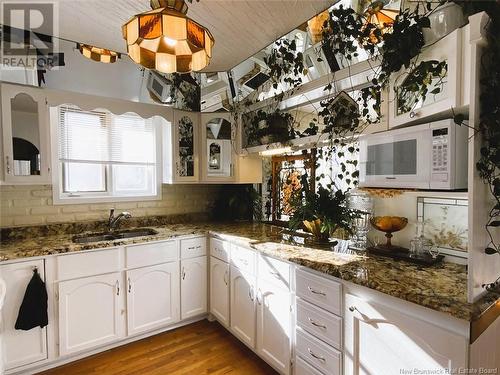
240, 27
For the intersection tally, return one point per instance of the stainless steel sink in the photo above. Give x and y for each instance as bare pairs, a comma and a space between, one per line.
98, 237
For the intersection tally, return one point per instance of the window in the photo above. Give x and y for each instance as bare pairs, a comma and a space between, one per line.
102, 156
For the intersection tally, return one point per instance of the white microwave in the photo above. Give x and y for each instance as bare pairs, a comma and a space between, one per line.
429, 156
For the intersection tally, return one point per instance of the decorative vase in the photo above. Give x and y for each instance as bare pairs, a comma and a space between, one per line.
444, 19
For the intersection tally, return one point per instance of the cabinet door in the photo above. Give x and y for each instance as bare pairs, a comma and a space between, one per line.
385, 341
193, 287
25, 132
185, 147
20, 347
274, 325
152, 297
219, 290
406, 106
243, 306
91, 312
218, 138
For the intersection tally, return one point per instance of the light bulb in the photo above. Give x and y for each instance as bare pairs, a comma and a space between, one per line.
170, 42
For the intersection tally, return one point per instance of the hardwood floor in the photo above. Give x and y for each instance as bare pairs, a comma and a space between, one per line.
200, 348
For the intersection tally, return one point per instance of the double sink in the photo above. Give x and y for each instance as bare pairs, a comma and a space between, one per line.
111, 236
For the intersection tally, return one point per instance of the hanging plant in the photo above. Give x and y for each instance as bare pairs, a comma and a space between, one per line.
266, 128
285, 63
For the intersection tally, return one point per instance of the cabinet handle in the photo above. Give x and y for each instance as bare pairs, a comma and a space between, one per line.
129, 285
244, 261
319, 358
7, 165
276, 274
314, 323
353, 308
225, 277
117, 285
183, 273
191, 248
316, 291
259, 301
251, 293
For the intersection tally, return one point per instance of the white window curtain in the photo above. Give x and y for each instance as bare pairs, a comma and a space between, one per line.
105, 154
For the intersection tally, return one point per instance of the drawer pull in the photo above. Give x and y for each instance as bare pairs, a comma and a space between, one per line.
314, 323
129, 285
316, 291
183, 273
276, 274
191, 248
319, 358
225, 277
117, 286
353, 308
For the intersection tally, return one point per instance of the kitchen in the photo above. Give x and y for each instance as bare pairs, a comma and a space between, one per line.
326, 203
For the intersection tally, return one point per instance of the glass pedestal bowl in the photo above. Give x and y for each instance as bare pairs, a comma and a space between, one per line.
389, 225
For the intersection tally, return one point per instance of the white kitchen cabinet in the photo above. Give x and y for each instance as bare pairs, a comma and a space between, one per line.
382, 340
274, 325
25, 134
218, 147
152, 297
91, 312
193, 287
219, 290
448, 49
20, 348
243, 306
181, 148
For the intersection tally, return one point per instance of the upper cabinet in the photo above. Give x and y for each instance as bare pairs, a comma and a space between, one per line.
217, 147
407, 106
181, 148
25, 135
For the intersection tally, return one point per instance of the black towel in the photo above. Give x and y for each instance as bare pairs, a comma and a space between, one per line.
33, 310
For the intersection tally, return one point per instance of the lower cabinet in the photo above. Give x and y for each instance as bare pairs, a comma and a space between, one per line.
91, 312
193, 287
243, 306
20, 348
219, 290
152, 297
382, 340
274, 325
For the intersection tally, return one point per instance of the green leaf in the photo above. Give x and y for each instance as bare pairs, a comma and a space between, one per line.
490, 251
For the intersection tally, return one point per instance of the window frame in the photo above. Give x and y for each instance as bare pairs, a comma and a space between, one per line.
60, 197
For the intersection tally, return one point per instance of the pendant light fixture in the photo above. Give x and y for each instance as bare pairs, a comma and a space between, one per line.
315, 26
381, 16
166, 40
98, 54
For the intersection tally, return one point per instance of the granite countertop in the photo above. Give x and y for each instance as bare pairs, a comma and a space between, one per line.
442, 287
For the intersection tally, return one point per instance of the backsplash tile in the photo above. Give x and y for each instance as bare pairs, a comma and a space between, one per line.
22, 205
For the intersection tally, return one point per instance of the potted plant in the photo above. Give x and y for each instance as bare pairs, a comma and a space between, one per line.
321, 213
272, 127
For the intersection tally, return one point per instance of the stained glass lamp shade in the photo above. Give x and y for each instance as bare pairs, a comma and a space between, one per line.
166, 40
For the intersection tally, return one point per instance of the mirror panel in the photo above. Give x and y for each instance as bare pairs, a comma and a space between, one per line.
186, 148
25, 136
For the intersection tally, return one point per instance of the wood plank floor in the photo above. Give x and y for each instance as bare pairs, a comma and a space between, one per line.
200, 348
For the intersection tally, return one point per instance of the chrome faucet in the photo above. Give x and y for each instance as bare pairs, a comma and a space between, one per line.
114, 221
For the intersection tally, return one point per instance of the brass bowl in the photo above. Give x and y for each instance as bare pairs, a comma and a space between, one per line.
389, 224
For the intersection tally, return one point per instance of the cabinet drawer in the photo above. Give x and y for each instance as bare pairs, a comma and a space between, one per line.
318, 354
304, 368
320, 291
91, 263
151, 253
320, 323
243, 259
274, 271
220, 249
193, 247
